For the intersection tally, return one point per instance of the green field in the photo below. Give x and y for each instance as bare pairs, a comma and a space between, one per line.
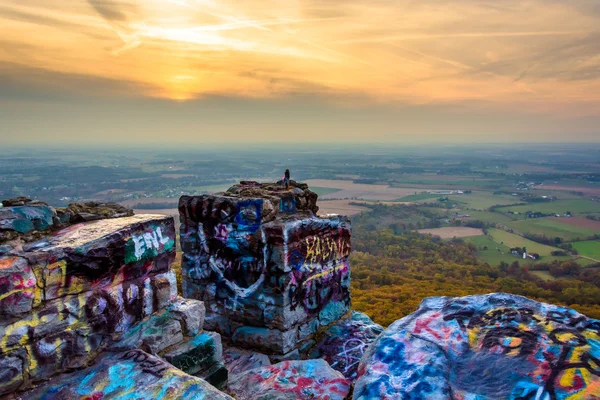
420, 197
590, 248
512, 240
576, 206
481, 200
551, 229
322, 191
584, 262
489, 217
493, 255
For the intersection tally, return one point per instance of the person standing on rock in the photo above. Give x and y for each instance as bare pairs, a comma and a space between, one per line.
286, 179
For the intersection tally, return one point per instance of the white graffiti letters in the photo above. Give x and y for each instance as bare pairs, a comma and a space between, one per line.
148, 241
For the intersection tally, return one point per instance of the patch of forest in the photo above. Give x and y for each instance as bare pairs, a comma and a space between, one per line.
393, 271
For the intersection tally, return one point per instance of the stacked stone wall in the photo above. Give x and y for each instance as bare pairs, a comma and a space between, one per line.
65, 297
270, 272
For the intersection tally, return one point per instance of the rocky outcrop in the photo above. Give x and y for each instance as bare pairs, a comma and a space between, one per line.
29, 220
238, 361
486, 347
291, 380
92, 311
65, 296
96, 288
343, 345
296, 199
25, 218
132, 374
269, 271
92, 211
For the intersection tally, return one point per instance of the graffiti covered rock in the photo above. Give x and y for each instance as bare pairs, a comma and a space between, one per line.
291, 380
132, 374
65, 296
269, 274
344, 343
28, 220
487, 346
238, 360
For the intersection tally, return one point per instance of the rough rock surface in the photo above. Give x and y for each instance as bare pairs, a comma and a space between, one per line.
197, 354
344, 343
18, 221
290, 380
129, 375
297, 198
29, 220
239, 361
92, 211
496, 346
269, 271
65, 296
22, 201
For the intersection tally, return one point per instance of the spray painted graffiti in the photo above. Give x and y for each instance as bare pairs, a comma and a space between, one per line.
147, 245
321, 250
263, 267
288, 205
345, 342
320, 271
495, 346
309, 379
17, 286
313, 291
133, 374
65, 332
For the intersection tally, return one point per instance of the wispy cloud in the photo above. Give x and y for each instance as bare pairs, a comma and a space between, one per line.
501, 54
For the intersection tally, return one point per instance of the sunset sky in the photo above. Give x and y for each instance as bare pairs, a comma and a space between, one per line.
252, 71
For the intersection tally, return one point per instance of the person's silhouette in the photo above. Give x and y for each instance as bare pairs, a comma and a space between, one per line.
286, 179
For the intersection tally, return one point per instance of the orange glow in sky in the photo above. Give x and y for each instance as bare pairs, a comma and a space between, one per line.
541, 57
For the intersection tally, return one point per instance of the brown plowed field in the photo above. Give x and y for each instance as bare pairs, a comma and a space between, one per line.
580, 222
341, 207
351, 190
586, 190
449, 232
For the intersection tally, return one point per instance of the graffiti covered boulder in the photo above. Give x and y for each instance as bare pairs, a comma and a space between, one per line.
345, 342
65, 296
133, 374
486, 346
269, 270
239, 361
291, 380
23, 219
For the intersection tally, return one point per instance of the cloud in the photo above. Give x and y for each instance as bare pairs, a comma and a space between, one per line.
467, 53
20, 82
112, 11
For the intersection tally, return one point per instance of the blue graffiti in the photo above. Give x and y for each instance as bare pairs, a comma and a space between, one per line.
288, 205
249, 214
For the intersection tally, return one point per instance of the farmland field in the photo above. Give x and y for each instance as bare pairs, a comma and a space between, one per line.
579, 222
481, 200
449, 232
489, 217
590, 248
576, 206
512, 240
421, 197
494, 253
351, 190
342, 207
595, 191
551, 228
323, 191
